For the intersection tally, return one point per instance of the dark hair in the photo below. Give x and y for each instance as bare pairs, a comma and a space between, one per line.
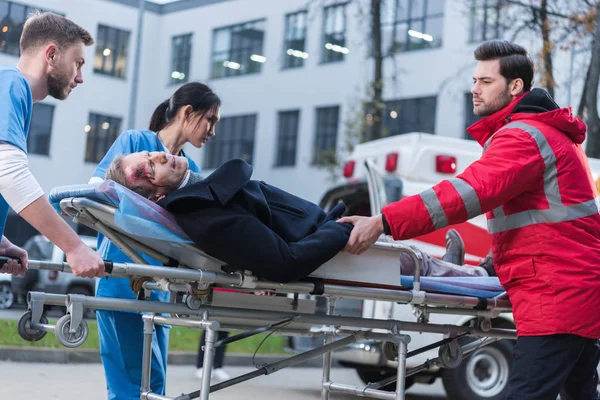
515, 61
45, 27
195, 94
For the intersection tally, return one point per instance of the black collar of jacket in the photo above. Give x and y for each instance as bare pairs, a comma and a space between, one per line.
222, 185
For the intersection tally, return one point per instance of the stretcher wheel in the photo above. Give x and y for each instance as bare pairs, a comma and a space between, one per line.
26, 331
451, 355
68, 339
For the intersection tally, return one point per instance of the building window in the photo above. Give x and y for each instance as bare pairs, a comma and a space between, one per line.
287, 137
40, 129
12, 19
326, 134
235, 139
102, 131
470, 118
181, 48
410, 115
412, 25
485, 20
294, 45
111, 51
334, 33
238, 49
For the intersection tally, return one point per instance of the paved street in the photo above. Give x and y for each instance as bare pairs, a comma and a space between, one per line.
72, 381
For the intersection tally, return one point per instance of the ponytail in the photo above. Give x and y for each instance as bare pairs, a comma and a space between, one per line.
159, 117
195, 94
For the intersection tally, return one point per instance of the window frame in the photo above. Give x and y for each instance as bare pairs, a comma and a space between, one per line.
487, 8
411, 23
15, 49
401, 104
284, 138
177, 60
320, 153
114, 134
225, 72
31, 147
290, 61
223, 148
117, 35
327, 55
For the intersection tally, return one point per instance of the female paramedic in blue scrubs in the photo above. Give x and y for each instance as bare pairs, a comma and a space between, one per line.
188, 116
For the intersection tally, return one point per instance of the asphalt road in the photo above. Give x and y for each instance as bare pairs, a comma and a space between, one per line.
71, 381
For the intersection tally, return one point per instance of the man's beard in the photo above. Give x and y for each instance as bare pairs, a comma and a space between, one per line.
497, 104
57, 84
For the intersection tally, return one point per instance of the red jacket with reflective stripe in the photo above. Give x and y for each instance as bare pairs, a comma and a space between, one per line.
535, 186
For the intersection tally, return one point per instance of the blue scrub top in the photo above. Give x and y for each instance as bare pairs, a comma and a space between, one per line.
16, 106
131, 141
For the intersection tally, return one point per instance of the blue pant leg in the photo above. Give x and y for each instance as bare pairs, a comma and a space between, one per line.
160, 348
121, 344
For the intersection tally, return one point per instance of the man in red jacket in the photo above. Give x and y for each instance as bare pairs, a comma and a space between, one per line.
535, 186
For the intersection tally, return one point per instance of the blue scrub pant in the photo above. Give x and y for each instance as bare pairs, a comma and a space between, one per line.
121, 337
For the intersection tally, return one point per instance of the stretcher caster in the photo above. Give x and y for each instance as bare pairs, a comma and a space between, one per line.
26, 331
67, 338
451, 355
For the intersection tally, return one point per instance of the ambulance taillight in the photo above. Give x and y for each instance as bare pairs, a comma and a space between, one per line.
349, 168
391, 162
445, 164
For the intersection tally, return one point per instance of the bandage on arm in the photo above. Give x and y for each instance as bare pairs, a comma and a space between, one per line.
23, 193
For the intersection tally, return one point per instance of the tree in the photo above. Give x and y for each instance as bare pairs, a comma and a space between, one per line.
375, 105
590, 91
365, 120
563, 24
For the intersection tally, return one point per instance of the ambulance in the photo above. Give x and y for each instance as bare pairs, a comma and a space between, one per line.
383, 171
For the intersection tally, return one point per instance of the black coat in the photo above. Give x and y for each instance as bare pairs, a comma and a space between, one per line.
255, 226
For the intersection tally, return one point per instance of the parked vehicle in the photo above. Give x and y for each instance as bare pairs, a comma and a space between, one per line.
7, 297
40, 248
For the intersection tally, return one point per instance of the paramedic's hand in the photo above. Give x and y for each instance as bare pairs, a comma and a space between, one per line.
365, 233
85, 262
10, 250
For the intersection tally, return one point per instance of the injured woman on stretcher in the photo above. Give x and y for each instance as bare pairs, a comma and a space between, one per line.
254, 226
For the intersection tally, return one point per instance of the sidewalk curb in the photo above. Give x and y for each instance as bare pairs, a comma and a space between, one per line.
90, 356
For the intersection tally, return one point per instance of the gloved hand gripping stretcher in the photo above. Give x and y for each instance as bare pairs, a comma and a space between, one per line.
139, 226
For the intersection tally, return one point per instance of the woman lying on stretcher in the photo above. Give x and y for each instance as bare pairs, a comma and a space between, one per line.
251, 225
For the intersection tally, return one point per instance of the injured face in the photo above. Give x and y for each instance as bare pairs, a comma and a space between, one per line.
150, 174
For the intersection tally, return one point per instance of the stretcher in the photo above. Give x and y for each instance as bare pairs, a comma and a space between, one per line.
138, 226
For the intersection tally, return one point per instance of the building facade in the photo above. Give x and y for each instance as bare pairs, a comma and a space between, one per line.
291, 75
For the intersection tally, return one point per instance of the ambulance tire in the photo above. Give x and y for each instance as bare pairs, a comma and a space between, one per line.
483, 374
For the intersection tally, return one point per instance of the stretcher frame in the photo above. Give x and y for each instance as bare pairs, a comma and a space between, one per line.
195, 305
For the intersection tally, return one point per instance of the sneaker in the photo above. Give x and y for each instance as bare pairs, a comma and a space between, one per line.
199, 373
219, 375
455, 248
488, 264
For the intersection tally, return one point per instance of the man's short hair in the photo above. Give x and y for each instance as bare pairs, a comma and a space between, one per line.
42, 28
116, 173
515, 61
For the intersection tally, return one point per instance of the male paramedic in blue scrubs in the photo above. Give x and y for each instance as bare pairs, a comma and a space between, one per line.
52, 54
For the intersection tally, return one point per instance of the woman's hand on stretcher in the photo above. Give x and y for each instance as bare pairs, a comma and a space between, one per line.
365, 233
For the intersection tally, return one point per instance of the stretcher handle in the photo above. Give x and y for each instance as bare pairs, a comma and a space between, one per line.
108, 265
